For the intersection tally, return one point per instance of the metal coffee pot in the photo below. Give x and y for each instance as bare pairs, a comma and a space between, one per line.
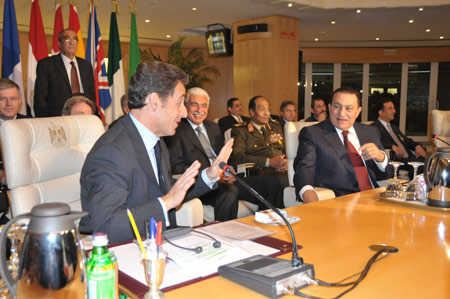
437, 178
52, 262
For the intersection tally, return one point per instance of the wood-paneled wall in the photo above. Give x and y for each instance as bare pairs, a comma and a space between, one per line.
266, 63
375, 55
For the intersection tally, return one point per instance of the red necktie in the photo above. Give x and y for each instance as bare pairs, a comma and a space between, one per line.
360, 169
74, 79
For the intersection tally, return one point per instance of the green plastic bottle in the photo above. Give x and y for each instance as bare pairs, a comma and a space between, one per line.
100, 270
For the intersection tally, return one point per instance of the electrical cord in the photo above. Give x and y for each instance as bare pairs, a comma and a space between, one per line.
353, 284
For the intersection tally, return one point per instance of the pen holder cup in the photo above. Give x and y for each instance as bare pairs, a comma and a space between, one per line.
154, 273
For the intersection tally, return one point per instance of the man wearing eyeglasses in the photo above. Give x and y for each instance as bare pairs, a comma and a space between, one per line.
9, 107
60, 76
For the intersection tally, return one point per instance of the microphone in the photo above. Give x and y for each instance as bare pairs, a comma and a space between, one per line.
272, 277
436, 137
296, 261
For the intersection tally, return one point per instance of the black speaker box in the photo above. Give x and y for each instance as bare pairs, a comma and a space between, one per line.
262, 27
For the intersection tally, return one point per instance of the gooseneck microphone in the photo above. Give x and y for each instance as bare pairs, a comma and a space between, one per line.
296, 261
436, 137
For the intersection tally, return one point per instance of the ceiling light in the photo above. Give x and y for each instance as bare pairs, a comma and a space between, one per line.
441, 37
290, 4
411, 21
194, 8
358, 11
147, 21
377, 38
427, 30
168, 35
420, 8
316, 39
333, 22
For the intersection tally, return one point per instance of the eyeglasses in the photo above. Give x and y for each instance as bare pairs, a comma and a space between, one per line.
12, 99
68, 39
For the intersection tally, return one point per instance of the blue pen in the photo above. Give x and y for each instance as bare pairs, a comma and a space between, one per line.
153, 248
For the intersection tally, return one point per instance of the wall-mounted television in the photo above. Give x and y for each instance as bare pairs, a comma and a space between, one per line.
219, 41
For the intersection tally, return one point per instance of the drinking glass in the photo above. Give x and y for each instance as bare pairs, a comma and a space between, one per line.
412, 190
154, 273
395, 188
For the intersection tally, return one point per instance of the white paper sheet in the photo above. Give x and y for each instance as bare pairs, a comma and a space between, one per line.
184, 265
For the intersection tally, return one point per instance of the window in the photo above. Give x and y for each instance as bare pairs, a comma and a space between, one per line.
384, 82
417, 99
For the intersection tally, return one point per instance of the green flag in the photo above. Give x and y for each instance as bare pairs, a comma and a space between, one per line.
115, 71
135, 59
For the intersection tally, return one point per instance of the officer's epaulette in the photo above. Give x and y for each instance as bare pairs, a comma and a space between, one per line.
240, 125
274, 121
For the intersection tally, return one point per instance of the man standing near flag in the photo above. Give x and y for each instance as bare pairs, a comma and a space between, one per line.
60, 76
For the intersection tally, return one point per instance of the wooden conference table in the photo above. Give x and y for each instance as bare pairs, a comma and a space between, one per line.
335, 235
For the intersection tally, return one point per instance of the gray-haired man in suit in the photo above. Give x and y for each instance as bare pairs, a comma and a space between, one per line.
129, 167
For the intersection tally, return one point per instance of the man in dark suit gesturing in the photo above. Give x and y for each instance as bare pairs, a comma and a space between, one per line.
60, 76
129, 167
338, 153
392, 138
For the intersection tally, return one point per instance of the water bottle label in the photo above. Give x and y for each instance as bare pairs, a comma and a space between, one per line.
101, 284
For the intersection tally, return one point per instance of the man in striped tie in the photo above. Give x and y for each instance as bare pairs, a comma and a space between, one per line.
338, 153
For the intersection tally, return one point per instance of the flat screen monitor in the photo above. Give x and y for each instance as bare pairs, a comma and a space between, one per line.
219, 42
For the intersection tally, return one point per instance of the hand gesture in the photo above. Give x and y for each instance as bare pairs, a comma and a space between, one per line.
371, 151
214, 171
178, 191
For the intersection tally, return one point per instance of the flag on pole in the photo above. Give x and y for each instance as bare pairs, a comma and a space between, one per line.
134, 47
11, 64
94, 54
74, 24
37, 49
57, 28
115, 71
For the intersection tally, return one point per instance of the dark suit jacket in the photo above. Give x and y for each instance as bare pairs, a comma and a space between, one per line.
227, 122
185, 147
117, 175
312, 118
322, 160
52, 87
388, 142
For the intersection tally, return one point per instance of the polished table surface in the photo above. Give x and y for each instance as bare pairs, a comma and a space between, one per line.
335, 235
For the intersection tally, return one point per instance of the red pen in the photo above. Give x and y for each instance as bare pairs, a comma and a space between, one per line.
159, 236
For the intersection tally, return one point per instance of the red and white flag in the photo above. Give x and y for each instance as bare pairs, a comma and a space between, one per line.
37, 49
74, 24
57, 28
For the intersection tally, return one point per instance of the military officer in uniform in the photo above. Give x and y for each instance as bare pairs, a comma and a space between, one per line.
261, 141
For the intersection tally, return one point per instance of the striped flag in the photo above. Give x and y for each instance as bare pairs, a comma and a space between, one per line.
115, 71
134, 47
37, 49
94, 54
11, 64
57, 28
74, 24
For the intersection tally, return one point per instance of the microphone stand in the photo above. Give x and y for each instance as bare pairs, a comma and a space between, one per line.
296, 260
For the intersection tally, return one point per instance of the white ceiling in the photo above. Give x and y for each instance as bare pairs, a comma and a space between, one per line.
381, 18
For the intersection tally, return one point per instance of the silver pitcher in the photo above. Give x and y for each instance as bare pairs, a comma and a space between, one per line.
437, 178
52, 262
